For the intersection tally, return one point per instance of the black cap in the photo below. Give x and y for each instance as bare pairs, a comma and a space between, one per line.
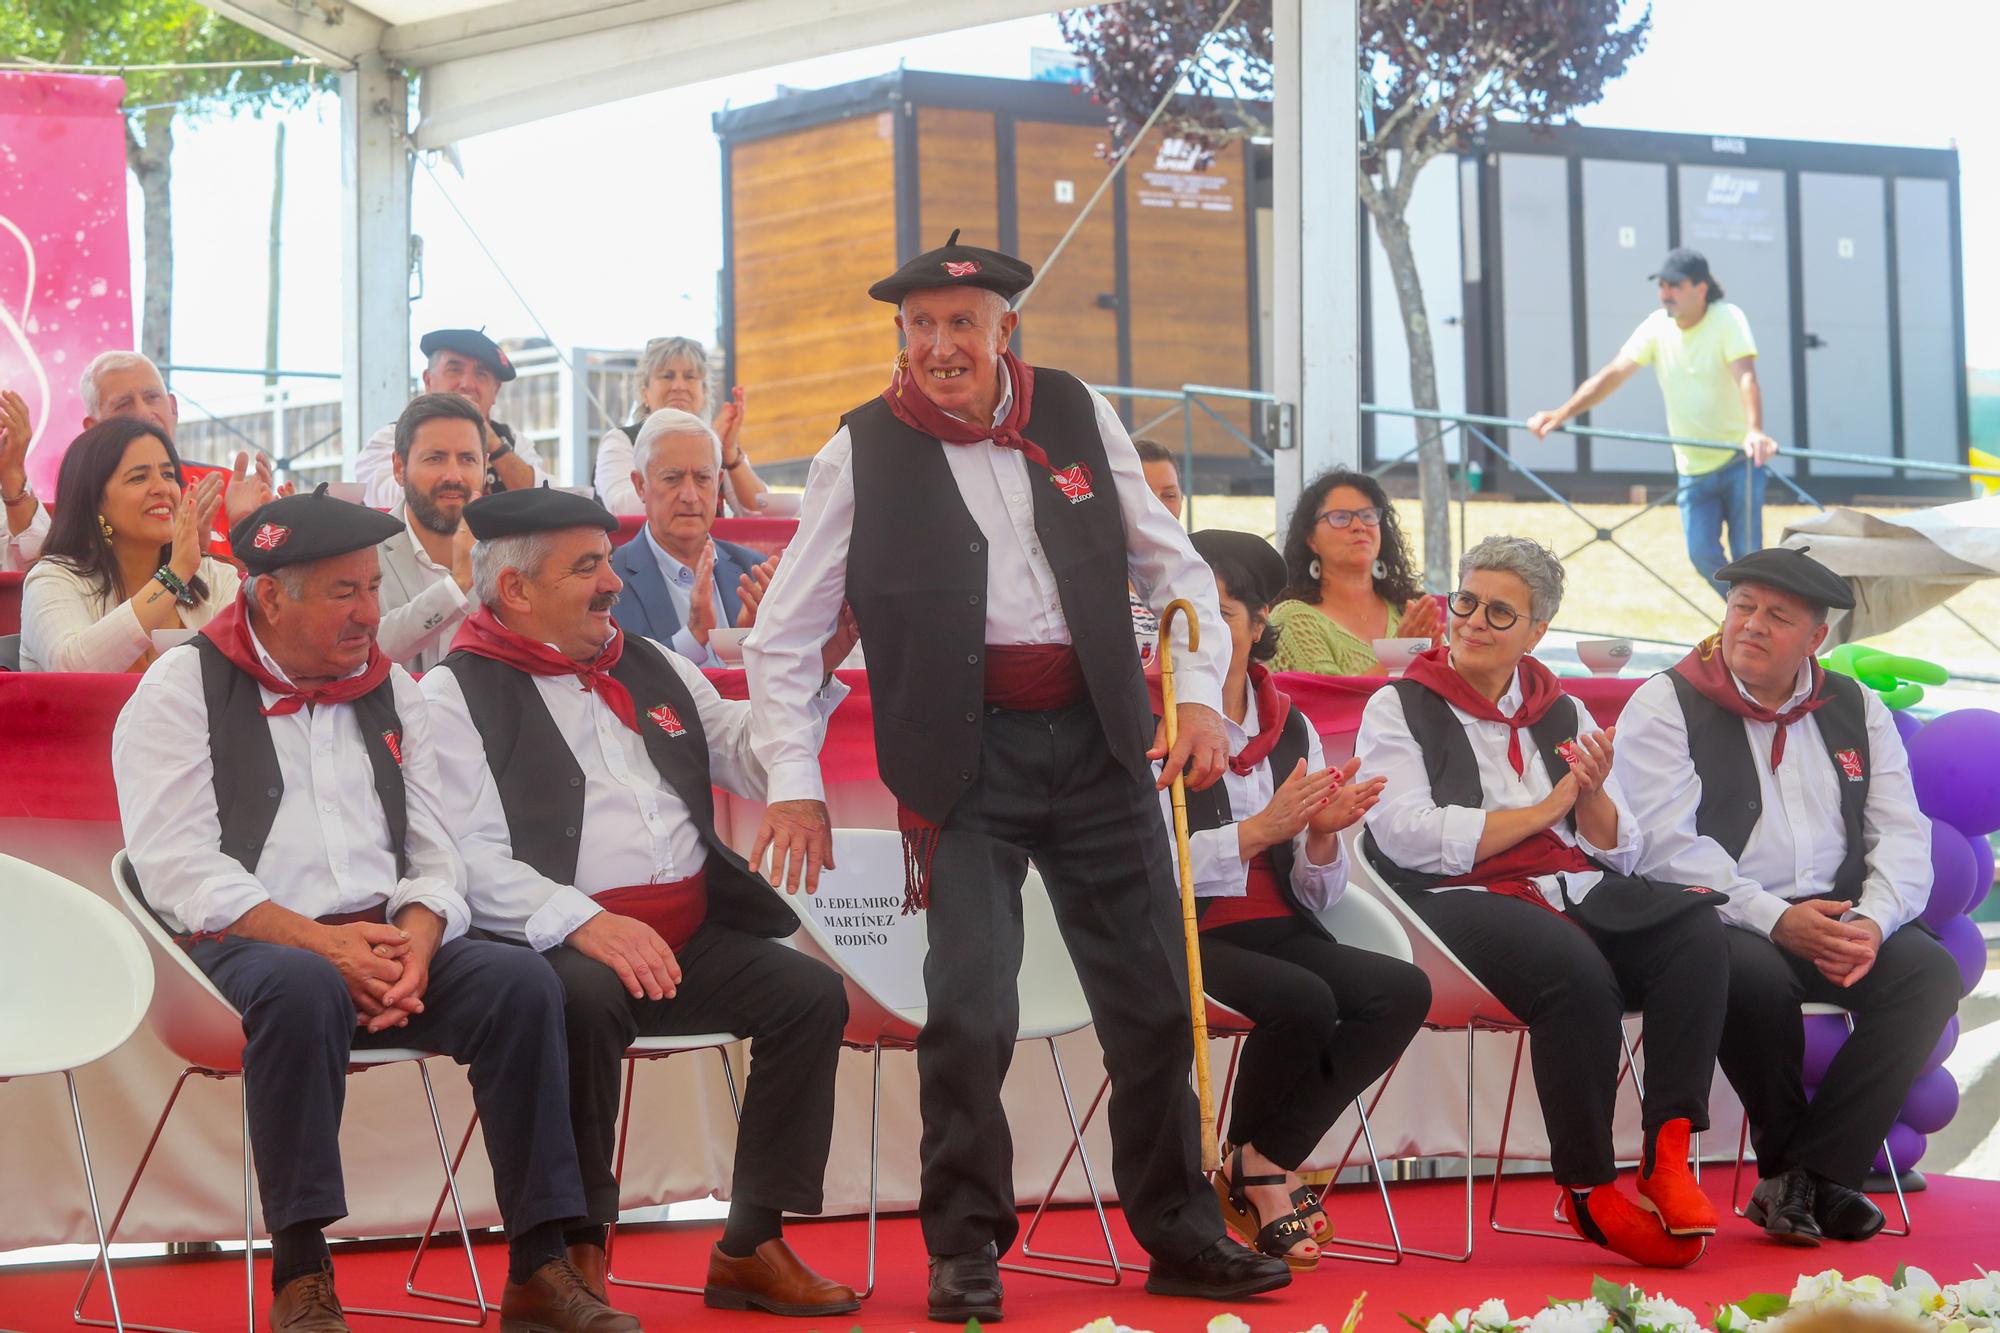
299, 529
1684, 265
1790, 569
1230, 552
540, 509
469, 342
955, 265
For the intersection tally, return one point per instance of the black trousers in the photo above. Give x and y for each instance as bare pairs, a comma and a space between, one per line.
1330, 1021
1899, 1008
1572, 986
791, 1007
1048, 788
495, 1009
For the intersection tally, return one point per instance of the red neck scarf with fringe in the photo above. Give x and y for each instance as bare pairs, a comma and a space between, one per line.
1540, 689
914, 408
483, 635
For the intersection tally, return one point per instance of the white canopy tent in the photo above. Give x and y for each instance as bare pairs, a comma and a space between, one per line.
486, 65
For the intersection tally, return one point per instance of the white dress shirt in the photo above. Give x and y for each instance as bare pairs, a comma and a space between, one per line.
1417, 833
328, 851
21, 549
1022, 604
680, 589
375, 468
635, 829
67, 624
418, 633
1799, 840
1219, 870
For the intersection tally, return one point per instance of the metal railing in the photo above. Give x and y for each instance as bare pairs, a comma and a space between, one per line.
1280, 418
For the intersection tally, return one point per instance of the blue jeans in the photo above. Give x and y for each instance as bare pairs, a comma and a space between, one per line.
1714, 498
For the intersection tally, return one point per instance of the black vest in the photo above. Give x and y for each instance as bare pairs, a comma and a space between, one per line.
1209, 809
1731, 797
916, 579
541, 784
1454, 770
248, 785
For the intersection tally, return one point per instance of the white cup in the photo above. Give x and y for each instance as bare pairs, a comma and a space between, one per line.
1397, 654
1604, 657
727, 644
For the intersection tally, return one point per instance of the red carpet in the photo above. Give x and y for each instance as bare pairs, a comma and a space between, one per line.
1957, 1222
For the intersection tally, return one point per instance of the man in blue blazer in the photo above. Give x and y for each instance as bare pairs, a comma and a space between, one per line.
677, 468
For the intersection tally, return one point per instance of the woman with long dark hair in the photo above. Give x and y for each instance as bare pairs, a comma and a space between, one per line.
1349, 580
124, 554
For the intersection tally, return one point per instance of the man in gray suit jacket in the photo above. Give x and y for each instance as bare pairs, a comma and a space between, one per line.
439, 461
677, 466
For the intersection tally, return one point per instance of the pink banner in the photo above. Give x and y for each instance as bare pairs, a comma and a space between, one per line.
65, 260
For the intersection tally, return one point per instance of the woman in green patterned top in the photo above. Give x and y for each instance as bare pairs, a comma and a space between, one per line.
1351, 580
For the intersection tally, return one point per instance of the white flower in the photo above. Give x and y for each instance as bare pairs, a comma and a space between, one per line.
1976, 1295
1660, 1314
1580, 1317
1491, 1314
1732, 1319
1918, 1297
1227, 1323
1820, 1288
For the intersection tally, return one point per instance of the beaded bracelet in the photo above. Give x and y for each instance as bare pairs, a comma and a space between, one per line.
183, 595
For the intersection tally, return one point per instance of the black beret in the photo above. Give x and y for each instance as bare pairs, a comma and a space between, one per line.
299, 529
469, 342
538, 509
1249, 553
955, 265
1790, 569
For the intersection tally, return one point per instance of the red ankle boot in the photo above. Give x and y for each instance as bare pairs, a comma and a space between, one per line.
1621, 1226
1668, 1189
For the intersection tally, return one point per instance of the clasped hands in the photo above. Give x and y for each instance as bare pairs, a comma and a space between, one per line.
1843, 951
387, 967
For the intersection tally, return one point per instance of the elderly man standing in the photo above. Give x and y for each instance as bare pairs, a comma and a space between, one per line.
1787, 787
981, 517
679, 584
427, 565
470, 364
592, 839
282, 808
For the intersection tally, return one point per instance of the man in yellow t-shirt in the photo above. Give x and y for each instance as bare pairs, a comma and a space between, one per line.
1700, 347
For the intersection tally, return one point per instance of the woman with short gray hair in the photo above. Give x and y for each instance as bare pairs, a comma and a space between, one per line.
1502, 825
676, 372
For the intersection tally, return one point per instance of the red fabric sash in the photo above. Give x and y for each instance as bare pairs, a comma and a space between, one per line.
1512, 872
483, 635
915, 409
675, 910
1263, 898
1033, 677
1703, 668
230, 632
1273, 707
1540, 689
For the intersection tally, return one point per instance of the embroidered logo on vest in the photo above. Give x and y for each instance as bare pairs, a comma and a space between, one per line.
394, 740
961, 268
270, 537
1850, 763
669, 721
1074, 481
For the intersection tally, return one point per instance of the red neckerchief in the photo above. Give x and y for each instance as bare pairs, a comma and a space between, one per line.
1272, 709
483, 635
1540, 689
1703, 669
230, 632
914, 409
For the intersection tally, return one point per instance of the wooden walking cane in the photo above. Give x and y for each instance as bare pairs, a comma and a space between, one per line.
1211, 1158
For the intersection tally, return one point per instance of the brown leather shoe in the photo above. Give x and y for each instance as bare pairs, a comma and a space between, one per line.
556, 1299
588, 1261
307, 1305
772, 1279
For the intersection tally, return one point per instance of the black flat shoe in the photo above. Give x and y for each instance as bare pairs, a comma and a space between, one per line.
1222, 1272
1845, 1214
1783, 1206
966, 1286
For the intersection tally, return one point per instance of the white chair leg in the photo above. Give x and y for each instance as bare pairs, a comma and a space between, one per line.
874, 1167
430, 1229
249, 1229
1466, 1255
1500, 1162
1393, 1252
90, 1189
618, 1168
1118, 1268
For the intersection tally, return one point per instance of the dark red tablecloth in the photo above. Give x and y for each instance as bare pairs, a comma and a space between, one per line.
57, 758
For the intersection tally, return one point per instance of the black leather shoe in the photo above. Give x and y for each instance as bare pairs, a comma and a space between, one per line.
1222, 1272
966, 1286
1844, 1214
1783, 1206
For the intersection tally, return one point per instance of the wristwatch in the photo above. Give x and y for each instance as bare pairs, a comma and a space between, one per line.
499, 452
731, 467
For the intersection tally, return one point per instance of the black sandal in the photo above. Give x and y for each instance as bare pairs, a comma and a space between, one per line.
1310, 1203
1277, 1238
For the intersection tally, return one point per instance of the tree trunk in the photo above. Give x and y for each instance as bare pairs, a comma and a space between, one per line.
1433, 481
151, 160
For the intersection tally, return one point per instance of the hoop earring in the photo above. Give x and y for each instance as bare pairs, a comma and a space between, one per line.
1312, 567
1379, 570
104, 526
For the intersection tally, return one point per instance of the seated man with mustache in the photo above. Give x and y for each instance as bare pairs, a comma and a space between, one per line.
427, 567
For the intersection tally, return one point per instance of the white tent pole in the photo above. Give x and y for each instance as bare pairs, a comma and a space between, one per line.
375, 251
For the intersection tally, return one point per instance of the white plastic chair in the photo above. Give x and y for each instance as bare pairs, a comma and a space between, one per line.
887, 1005
1813, 1009
199, 1025
74, 984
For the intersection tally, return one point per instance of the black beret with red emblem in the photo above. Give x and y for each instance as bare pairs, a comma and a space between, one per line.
469, 342
298, 529
537, 509
1790, 569
955, 265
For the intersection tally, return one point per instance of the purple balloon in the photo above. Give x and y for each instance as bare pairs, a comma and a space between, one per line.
1946, 1042
1824, 1035
1967, 947
1955, 767
1932, 1102
1982, 876
1906, 1143
1954, 866
1907, 725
